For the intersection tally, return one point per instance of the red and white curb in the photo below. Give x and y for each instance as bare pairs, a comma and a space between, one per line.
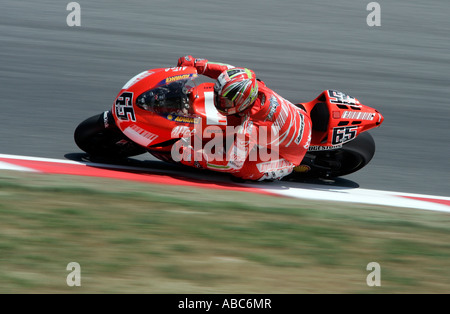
146, 175
280, 188
363, 196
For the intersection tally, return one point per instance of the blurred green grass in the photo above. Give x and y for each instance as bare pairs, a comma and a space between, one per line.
146, 238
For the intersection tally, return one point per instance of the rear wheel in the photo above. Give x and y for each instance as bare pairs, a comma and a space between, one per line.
353, 156
99, 136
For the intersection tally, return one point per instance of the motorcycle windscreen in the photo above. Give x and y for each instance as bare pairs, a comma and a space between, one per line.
172, 98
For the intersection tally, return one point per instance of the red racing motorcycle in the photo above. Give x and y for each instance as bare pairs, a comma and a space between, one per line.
158, 107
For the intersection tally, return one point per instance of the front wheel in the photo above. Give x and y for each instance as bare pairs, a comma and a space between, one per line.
100, 137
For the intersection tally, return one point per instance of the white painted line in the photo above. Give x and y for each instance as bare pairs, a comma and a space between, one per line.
8, 166
354, 195
60, 161
82, 163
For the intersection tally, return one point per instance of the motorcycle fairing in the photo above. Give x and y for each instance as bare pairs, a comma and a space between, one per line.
150, 122
159, 106
338, 118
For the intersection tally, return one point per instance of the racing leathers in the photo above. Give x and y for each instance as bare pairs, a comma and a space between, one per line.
269, 138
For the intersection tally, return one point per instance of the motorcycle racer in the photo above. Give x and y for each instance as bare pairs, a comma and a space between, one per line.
257, 112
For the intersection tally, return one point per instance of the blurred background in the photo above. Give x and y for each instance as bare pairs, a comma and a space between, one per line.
53, 76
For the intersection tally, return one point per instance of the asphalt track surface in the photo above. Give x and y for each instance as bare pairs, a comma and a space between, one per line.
53, 76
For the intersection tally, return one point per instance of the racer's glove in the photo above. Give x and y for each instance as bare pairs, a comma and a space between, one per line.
189, 61
276, 175
186, 61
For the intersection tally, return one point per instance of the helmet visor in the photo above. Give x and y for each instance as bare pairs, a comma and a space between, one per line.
223, 104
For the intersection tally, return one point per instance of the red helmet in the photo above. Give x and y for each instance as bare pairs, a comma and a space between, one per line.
236, 89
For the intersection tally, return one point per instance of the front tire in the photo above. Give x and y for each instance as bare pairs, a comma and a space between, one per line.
100, 137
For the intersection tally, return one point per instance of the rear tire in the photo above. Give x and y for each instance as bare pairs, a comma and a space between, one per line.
357, 154
100, 137
353, 156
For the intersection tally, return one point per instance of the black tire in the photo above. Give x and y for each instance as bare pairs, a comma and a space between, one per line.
359, 151
93, 137
353, 156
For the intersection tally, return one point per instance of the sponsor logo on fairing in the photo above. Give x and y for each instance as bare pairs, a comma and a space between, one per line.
337, 97
182, 119
175, 69
178, 77
358, 115
316, 148
137, 78
139, 135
